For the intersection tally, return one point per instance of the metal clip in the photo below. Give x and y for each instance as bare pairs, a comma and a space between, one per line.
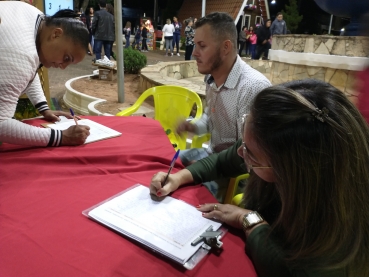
210, 237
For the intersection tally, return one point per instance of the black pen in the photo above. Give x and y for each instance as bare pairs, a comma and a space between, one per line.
171, 167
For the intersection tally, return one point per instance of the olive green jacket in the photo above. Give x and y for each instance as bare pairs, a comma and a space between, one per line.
262, 246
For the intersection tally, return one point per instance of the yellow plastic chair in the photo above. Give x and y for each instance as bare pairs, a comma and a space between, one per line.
197, 141
230, 197
171, 104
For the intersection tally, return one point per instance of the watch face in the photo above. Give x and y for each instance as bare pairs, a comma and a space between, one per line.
253, 218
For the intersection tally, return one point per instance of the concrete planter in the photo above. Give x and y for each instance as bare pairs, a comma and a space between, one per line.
81, 103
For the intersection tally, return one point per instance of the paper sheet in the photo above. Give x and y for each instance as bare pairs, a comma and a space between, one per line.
97, 131
168, 226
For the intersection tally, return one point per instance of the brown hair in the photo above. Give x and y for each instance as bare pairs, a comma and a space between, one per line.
320, 160
222, 26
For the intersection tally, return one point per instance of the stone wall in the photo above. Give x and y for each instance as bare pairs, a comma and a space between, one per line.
344, 80
327, 45
332, 59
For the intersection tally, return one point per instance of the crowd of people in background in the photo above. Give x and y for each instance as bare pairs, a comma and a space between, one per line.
257, 43
253, 42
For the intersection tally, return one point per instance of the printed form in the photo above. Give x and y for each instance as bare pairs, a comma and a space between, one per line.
168, 226
97, 131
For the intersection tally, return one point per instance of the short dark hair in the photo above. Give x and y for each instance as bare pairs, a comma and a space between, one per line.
102, 3
222, 24
72, 27
268, 20
279, 14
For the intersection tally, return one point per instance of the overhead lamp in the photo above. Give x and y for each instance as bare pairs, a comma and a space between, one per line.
273, 2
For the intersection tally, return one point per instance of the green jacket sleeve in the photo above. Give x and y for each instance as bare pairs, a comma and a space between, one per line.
219, 165
267, 255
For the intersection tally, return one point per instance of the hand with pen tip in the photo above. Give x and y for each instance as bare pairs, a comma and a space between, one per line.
161, 185
75, 135
157, 181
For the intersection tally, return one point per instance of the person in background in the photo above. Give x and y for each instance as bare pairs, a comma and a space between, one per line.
194, 30
110, 9
305, 209
168, 31
82, 17
231, 85
103, 28
30, 40
127, 33
279, 26
177, 33
248, 44
89, 19
137, 39
362, 78
144, 38
253, 40
263, 40
189, 33
242, 39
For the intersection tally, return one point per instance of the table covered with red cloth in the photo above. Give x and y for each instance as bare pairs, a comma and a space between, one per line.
43, 192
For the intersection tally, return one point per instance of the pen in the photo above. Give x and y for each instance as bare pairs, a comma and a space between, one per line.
171, 167
72, 113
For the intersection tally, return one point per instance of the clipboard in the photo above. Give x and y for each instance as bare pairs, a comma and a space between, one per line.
160, 242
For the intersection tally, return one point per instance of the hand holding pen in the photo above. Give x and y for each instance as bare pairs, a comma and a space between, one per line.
171, 167
74, 117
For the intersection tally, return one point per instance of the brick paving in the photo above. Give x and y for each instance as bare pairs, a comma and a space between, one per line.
58, 77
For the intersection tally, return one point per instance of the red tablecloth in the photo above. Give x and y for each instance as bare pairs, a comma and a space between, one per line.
43, 192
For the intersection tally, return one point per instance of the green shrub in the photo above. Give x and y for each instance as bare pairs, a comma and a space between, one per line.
183, 41
134, 60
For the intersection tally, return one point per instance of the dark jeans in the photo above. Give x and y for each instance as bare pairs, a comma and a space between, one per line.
188, 54
263, 49
176, 38
144, 44
242, 45
127, 41
253, 51
248, 44
136, 42
107, 48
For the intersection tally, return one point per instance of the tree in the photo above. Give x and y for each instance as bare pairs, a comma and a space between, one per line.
292, 16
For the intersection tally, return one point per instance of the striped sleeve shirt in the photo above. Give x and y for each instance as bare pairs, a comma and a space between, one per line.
19, 62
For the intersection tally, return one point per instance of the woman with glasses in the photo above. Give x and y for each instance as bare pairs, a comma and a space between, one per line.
306, 206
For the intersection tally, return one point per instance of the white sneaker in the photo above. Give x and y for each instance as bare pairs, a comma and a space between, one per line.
178, 54
105, 62
171, 54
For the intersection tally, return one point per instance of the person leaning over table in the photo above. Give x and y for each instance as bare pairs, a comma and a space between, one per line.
29, 40
306, 211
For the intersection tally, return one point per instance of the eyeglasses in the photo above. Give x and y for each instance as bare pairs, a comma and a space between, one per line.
245, 153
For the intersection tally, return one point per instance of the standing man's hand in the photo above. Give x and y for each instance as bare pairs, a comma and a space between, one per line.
185, 126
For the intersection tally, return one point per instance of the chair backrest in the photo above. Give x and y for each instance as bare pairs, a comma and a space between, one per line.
172, 103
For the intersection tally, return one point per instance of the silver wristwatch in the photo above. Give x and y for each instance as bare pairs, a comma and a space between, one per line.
251, 219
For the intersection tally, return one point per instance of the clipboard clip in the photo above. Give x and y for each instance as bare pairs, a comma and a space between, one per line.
210, 238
